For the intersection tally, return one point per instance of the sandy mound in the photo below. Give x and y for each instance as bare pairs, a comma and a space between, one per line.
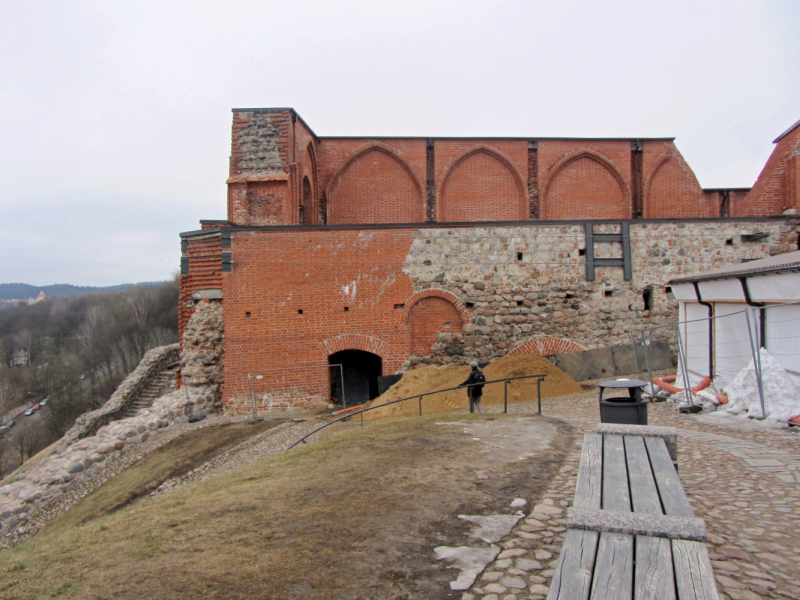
427, 379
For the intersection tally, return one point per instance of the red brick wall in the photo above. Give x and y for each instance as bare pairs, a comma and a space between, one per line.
671, 189
481, 180
585, 179
375, 187
205, 272
276, 274
777, 187
381, 180
427, 319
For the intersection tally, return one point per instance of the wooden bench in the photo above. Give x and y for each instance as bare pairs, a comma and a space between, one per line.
631, 533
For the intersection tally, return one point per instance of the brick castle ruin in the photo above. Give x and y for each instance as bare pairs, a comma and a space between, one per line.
380, 254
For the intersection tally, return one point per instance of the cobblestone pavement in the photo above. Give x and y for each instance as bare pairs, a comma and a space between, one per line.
740, 476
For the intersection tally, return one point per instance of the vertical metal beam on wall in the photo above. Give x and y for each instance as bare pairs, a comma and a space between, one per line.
589, 229
626, 252
431, 181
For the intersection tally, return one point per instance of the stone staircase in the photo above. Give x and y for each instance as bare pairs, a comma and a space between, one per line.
159, 385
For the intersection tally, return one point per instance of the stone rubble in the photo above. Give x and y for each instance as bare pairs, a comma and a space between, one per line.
73, 459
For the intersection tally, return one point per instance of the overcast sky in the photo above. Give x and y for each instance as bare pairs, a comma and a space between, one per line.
115, 116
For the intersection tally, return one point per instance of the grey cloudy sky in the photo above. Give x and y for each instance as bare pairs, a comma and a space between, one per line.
115, 116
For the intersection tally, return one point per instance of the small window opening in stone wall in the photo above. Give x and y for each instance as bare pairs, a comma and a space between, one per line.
519, 255
608, 293
247, 314
668, 290
399, 306
729, 242
582, 252
470, 304
346, 309
299, 311
647, 296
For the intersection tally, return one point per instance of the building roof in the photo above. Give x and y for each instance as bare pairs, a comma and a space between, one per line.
763, 266
785, 133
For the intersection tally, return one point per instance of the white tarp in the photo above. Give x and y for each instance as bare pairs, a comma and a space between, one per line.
781, 397
780, 287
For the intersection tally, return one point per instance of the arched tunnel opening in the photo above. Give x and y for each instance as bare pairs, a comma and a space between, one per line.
360, 371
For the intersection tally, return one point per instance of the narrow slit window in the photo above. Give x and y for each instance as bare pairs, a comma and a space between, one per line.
582, 252
346, 309
647, 296
608, 293
299, 311
247, 314
399, 306
519, 255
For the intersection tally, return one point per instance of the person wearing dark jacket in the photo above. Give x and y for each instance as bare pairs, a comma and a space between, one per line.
475, 392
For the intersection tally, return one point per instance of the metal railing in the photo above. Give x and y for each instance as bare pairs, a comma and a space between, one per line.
539, 378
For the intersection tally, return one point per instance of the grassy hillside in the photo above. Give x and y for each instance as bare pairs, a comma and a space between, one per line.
355, 516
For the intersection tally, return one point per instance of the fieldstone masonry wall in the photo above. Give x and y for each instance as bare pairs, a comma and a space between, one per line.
203, 351
529, 282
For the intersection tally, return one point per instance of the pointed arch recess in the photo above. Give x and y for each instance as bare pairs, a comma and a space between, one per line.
330, 189
570, 158
494, 153
648, 188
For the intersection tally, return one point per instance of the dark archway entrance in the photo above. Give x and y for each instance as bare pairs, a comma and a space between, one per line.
361, 371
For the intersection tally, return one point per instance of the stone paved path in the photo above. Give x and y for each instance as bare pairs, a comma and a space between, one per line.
742, 477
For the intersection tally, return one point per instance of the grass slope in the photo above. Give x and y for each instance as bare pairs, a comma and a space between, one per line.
353, 517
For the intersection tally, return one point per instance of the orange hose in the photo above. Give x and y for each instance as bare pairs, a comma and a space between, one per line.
662, 383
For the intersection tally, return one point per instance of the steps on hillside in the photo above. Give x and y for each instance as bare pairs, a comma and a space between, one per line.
159, 385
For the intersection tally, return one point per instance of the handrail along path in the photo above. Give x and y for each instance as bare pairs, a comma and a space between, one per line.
539, 378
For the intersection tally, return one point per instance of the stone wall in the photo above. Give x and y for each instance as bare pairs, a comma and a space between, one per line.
203, 352
296, 296
153, 362
529, 282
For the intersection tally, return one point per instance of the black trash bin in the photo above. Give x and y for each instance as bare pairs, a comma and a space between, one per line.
624, 410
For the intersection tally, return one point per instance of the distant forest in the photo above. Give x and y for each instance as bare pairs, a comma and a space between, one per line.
23, 291
75, 350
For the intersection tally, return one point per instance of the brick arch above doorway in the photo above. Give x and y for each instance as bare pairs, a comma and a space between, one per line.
355, 341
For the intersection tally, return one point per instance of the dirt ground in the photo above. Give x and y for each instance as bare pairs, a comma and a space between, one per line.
353, 517
429, 378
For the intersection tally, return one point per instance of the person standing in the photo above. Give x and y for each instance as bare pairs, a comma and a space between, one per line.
475, 392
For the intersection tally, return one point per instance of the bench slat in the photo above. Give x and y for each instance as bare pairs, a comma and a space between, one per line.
572, 579
693, 573
613, 571
644, 493
590, 471
673, 498
654, 578
616, 494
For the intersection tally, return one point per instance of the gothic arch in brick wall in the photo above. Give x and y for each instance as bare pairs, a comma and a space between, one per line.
481, 185
585, 185
355, 341
546, 345
375, 185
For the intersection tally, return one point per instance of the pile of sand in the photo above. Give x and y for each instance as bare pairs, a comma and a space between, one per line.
428, 379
